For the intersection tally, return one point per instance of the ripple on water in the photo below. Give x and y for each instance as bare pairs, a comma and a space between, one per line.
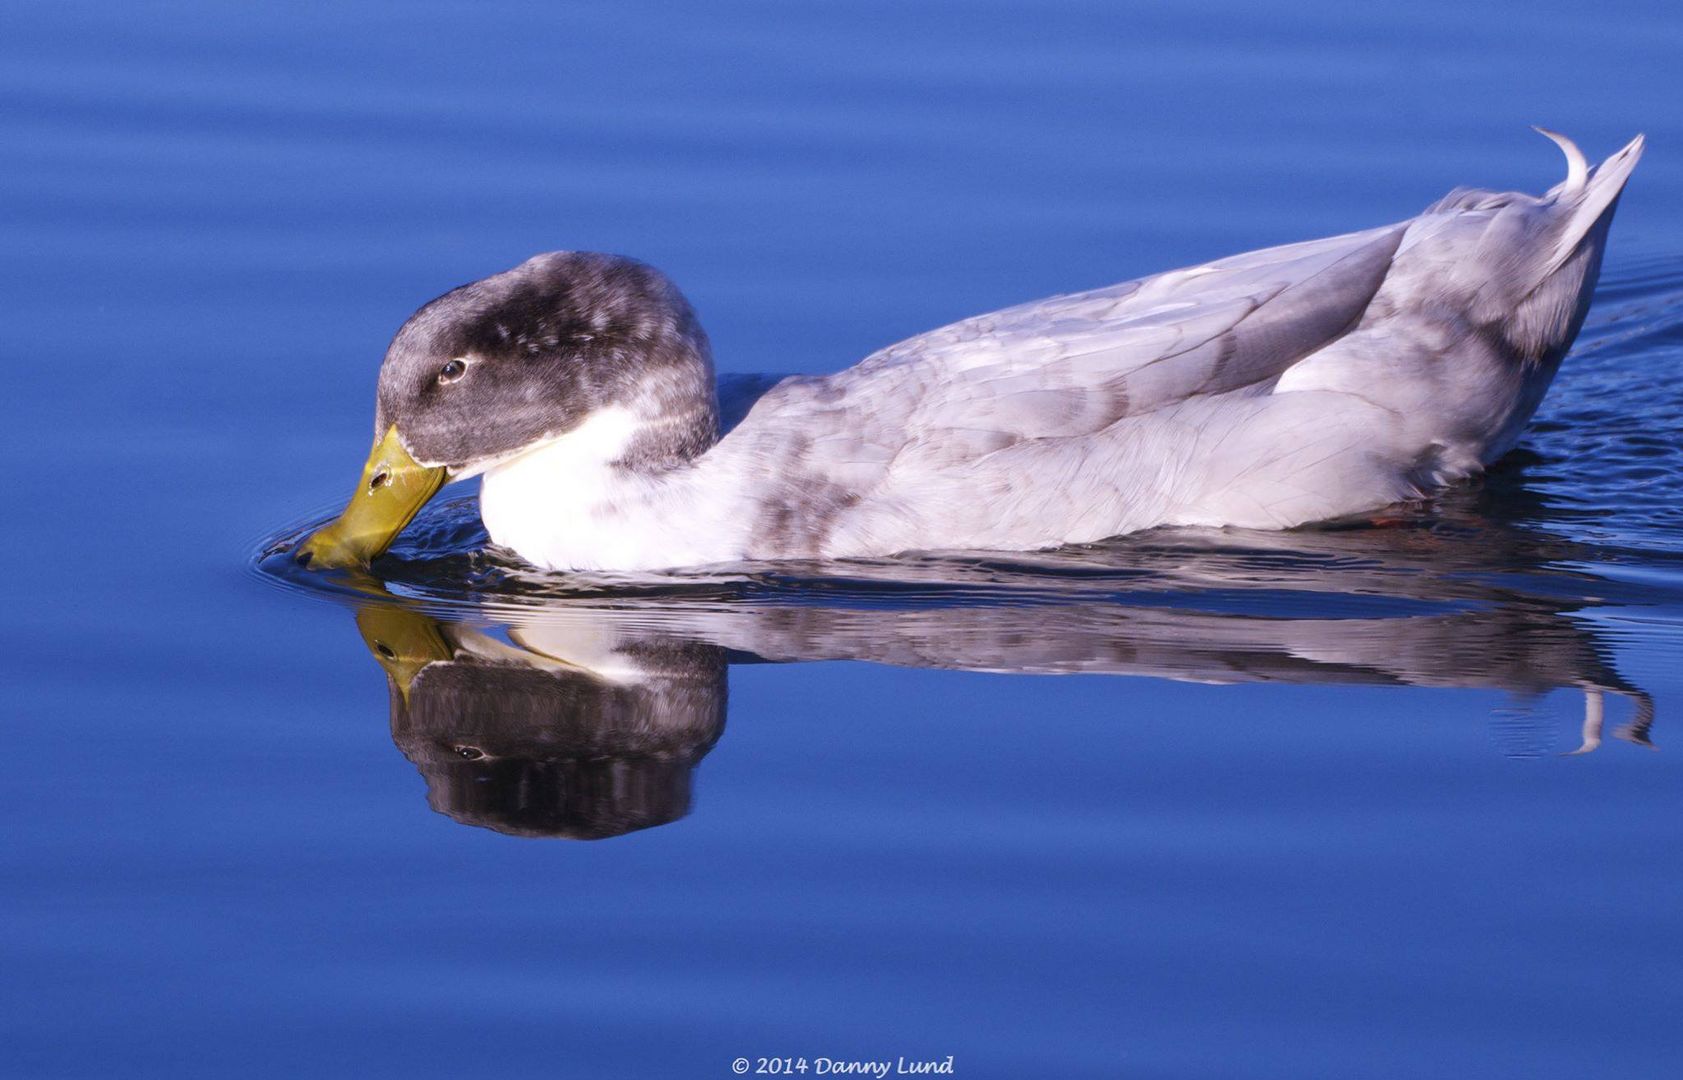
1609, 465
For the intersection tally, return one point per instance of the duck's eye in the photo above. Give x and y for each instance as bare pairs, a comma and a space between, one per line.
452, 371
469, 753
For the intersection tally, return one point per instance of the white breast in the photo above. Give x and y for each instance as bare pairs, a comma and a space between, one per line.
566, 505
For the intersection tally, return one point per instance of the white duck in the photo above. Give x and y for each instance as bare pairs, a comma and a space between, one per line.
1282, 387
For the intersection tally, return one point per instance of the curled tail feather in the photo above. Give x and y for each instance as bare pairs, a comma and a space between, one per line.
1590, 193
1577, 166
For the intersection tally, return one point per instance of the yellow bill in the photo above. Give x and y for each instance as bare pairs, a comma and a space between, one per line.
403, 641
394, 488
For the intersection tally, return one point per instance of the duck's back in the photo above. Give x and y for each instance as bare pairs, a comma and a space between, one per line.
1270, 389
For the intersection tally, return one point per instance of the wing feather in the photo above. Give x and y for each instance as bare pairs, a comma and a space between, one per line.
1075, 364
1054, 369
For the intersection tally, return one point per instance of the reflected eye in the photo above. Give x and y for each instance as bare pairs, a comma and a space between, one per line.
469, 753
452, 371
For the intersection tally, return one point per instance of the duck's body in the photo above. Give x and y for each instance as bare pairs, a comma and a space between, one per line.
1268, 390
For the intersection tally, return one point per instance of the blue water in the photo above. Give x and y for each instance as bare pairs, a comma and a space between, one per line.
1299, 806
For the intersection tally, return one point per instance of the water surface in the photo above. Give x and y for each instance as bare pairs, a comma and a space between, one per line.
1176, 805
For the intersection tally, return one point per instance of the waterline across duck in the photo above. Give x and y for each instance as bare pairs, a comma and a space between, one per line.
1278, 388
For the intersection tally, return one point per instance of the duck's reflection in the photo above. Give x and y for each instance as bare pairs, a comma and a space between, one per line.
533, 745
584, 715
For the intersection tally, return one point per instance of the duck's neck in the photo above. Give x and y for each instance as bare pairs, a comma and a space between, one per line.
671, 419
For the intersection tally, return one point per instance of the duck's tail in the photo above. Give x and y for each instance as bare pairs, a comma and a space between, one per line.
1587, 197
1535, 261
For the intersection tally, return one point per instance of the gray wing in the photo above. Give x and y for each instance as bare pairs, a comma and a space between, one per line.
1073, 365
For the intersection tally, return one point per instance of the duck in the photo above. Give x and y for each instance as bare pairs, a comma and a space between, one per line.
1313, 382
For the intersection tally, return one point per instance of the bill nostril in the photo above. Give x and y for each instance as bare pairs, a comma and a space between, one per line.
378, 481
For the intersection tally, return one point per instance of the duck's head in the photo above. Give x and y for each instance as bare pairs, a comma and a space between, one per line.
492, 370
